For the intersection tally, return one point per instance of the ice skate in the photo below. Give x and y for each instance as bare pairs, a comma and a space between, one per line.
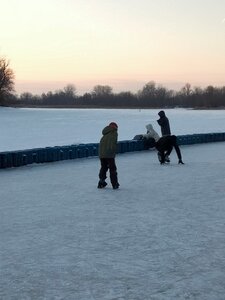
116, 186
102, 184
167, 159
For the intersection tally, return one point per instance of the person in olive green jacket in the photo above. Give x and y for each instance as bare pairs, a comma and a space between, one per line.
107, 152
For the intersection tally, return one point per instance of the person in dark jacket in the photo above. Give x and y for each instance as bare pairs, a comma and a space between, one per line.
107, 153
164, 123
165, 146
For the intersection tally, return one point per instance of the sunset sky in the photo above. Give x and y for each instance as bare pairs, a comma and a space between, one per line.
121, 43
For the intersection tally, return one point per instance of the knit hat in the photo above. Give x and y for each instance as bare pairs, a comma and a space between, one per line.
113, 124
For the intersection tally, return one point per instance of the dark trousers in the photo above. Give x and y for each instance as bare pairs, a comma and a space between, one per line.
169, 150
166, 152
108, 164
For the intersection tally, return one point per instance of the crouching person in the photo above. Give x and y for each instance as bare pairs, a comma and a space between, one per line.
107, 153
165, 146
151, 137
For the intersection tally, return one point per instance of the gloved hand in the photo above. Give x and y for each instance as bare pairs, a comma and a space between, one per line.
180, 162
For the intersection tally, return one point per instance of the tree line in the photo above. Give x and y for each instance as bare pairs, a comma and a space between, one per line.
150, 96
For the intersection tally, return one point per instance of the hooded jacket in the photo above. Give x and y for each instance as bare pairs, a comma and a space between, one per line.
164, 123
108, 143
151, 133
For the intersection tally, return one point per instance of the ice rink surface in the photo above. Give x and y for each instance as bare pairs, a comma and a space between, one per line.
159, 237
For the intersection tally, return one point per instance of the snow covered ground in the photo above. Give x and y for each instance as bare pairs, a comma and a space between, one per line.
159, 237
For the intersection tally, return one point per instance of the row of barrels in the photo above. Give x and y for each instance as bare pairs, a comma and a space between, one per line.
19, 158
198, 138
50, 154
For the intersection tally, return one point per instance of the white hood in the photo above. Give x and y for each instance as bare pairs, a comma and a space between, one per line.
151, 133
149, 127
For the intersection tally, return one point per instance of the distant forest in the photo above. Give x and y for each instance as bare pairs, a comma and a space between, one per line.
102, 96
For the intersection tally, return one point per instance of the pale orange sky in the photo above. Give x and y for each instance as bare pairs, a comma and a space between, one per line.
122, 43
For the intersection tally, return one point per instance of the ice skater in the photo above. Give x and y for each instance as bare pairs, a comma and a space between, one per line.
165, 146
107, 153
151, 137
164, 123
151, 133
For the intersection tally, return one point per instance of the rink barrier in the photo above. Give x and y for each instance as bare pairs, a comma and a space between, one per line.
19, 158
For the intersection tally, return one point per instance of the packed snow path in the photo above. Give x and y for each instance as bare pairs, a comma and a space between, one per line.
160, 236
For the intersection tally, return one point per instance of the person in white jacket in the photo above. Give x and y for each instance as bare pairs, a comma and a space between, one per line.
150, 138
151, 133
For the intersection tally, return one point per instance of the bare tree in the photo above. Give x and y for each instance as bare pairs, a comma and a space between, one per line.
148, 90
6, 78
186, 90
70, 90
102, 90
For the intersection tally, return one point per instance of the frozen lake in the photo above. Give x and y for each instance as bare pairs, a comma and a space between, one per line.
159, 237
35, 128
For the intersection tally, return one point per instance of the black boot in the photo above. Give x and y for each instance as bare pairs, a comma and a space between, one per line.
116, 186
101, 184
